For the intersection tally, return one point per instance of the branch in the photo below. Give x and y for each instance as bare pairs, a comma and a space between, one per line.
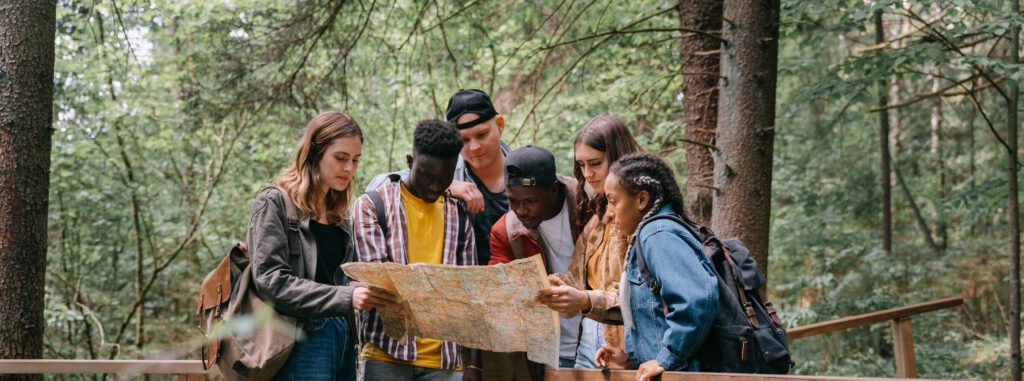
444, 38
984, 115
702, 144
951, 46
632, 31
453, 15
896, 39
533, 108
921, 223
117, 11
924, 96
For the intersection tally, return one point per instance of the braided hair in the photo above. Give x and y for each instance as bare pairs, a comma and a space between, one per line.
647, 172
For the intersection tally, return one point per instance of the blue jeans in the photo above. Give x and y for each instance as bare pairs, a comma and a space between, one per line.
591, 339
373, 370
326, 354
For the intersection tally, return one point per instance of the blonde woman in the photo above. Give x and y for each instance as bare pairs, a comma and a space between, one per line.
312, 286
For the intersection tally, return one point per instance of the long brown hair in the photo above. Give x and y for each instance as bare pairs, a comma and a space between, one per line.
302, 180
607, 134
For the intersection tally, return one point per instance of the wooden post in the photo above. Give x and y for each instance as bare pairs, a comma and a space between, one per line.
903, 347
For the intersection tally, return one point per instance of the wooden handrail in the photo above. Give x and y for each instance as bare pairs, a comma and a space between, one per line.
630, 375
871, 318
55, 366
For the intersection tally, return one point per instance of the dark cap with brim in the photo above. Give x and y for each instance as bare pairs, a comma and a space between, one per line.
530, 166
468, 101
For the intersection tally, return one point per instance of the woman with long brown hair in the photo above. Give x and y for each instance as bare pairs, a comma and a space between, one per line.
310, 202
590, 285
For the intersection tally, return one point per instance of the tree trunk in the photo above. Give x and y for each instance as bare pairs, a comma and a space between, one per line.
700, 55
26, 104
883, 139
1014, 210
741, 205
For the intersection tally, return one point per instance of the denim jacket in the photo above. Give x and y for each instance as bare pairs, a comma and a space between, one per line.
689, 290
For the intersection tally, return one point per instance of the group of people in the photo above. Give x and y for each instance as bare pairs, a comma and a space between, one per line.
469, 199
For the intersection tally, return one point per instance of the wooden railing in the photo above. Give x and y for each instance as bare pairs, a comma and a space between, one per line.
902, 329
903, 346
903, 343
630, 375
185, 369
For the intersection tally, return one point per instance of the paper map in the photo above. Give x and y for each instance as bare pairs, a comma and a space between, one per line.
482, 307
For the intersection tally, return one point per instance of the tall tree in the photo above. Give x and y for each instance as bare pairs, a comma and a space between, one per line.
741, 205
26, 103
701, 54
1013, 214
883, 140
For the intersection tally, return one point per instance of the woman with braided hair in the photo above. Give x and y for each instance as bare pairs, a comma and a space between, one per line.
668, 309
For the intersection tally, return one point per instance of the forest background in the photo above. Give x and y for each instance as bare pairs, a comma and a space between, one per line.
170, 115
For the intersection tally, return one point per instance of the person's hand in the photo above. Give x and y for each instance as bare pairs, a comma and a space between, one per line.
649, 370
611, 357
472, 373
468, 193
564, 299
365, 298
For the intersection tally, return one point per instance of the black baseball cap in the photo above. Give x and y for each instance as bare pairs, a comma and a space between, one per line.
530, 166
470, 101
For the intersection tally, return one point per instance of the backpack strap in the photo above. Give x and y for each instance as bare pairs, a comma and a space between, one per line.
294, 242
641, 262
378, 204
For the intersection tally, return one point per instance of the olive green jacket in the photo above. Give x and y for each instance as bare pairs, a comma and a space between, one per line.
284, 279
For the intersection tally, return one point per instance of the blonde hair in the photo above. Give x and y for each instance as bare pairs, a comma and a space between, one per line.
302, 180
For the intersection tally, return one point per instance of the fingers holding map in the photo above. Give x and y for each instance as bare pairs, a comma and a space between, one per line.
484, 307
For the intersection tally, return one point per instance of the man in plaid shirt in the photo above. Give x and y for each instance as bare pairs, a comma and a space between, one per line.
421, 225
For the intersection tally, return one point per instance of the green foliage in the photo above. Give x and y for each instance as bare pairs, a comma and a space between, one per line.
171, 115
826, 258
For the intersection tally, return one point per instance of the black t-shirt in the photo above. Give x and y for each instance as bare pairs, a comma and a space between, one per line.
330, 250
495, 206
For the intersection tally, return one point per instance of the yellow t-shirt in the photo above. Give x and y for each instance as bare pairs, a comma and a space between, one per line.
425, 243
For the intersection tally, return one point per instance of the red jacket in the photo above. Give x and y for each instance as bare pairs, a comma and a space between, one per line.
509, 228
501, 243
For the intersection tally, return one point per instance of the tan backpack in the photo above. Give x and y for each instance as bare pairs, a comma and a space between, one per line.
244, 336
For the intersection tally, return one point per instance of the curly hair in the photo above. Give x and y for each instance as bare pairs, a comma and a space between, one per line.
647, 172
609, 135
436, 138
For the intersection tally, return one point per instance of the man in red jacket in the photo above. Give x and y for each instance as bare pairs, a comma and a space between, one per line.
539, 222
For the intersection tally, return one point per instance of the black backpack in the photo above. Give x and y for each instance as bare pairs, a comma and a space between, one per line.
747, 335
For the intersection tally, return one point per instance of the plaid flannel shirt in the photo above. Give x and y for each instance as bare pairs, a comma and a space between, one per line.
372, 246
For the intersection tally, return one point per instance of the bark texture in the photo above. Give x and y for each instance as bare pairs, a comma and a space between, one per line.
701, 55
741, 204
26, 103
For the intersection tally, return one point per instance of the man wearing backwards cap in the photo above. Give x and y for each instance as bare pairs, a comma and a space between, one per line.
480, 172
539, 223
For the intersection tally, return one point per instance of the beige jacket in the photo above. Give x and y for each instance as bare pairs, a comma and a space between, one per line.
604, 297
